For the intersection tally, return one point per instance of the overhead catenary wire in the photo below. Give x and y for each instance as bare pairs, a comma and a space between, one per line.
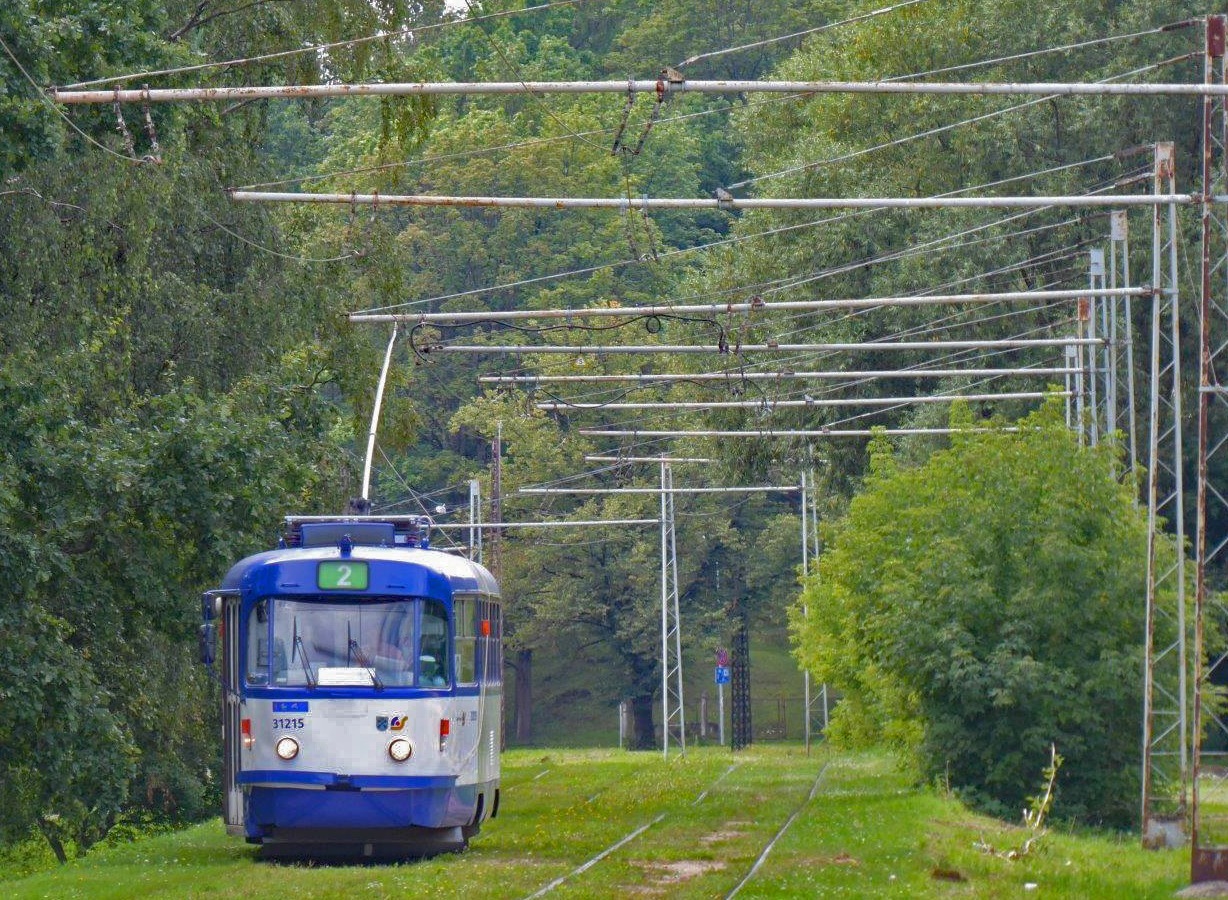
1064, 48
152, 163
725, 51
728, 241
318, 48
852, 377
942, 129
849, 378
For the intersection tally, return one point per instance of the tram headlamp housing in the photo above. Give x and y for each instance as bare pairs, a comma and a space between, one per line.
400, 749
287, 748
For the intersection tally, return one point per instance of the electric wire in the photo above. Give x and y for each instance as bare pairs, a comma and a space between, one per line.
857, 313
947, 127
42, 96
1065, 48
317, 48
413, 495
516, 76
775, 40
735, 239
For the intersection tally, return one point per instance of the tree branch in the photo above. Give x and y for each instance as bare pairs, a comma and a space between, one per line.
196, 20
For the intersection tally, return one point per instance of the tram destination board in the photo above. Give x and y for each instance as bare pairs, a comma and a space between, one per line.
345, 575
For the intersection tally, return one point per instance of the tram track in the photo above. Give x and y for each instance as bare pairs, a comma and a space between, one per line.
814, 789
626, 839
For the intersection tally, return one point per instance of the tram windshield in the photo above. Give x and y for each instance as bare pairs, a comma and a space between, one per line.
306, 643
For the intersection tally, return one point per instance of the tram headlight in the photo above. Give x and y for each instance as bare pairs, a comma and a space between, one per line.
287, 748
400, 750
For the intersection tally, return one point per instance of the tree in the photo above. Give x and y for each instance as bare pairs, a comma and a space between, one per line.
985, 604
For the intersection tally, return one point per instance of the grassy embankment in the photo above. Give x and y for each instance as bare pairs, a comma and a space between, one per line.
864, 833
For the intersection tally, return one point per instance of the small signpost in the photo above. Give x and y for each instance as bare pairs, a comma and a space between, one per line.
722, 679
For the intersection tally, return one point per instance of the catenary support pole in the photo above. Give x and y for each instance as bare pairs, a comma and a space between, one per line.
757, 306
648, 86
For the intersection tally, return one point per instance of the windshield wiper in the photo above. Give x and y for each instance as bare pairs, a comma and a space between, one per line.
364, 661
301, 649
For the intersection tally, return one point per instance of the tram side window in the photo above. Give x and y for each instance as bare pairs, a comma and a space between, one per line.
259, 659
463, 611
493, 654
433, 651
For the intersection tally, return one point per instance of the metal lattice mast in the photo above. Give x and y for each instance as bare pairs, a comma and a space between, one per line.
740, 715
673, 711
1122, 324
1166, 736
1208, 831
807, 487
495, 537
475, 520
1098, 368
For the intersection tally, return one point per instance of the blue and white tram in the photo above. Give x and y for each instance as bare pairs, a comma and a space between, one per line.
361, 691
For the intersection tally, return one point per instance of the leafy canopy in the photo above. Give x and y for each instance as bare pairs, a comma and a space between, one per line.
983, 605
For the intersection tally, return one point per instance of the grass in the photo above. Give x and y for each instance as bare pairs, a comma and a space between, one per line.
865, 833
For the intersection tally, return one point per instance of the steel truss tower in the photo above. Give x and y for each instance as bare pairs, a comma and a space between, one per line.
1208, 812
673, 710
1166, 733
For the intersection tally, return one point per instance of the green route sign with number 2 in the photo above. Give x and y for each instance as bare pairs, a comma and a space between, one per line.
342, 576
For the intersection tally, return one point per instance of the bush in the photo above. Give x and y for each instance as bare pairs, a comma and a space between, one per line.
985, 604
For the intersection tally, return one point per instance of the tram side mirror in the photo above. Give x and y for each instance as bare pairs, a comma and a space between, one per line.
210, 607
208, 643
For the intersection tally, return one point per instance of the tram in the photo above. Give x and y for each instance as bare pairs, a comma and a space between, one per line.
361, 691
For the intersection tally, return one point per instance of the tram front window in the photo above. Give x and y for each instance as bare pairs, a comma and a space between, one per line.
297, 643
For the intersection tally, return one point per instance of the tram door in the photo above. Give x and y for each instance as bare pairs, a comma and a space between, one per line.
232, 740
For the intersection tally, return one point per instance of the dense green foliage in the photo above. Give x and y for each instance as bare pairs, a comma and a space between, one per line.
984, 605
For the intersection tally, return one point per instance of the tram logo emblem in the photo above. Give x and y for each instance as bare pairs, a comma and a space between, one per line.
391, 723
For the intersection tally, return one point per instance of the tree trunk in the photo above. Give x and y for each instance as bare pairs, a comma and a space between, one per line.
524, 696
645, 733
48, 830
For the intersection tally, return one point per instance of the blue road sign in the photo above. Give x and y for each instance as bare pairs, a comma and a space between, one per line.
722, 674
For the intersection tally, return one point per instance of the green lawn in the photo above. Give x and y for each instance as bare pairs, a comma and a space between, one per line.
865, 833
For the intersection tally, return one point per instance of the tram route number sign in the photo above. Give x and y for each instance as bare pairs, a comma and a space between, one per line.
347, 575
722, 674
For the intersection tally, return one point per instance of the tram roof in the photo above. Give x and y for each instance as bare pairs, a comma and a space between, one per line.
464, 575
